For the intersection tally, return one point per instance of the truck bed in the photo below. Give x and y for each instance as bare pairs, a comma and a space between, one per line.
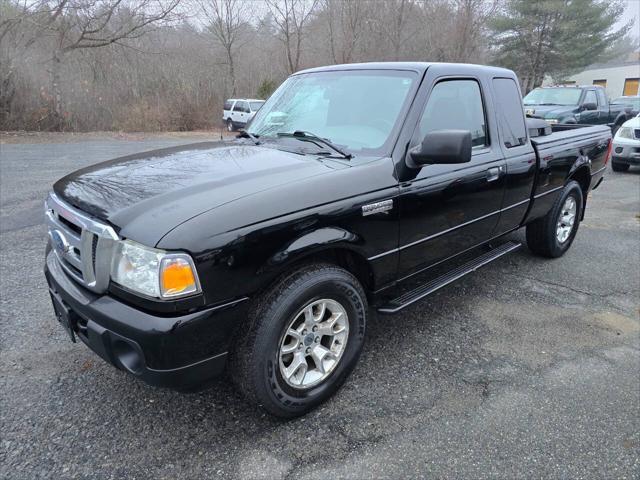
568, 133
560, 154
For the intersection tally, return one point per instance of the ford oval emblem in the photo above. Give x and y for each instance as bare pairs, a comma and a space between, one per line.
59, 241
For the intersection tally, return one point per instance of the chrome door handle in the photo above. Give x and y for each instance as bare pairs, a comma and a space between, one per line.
493, 174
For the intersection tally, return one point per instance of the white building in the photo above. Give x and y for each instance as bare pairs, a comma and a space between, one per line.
619, 77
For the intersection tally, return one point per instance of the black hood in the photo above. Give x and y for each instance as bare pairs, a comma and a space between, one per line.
145, 195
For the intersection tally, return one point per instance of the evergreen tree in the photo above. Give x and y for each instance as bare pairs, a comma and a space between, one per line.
540, 37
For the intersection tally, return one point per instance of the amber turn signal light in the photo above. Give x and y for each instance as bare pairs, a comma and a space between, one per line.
177, 277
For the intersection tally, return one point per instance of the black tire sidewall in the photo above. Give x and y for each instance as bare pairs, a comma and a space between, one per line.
572, 189
284, 400
619, 167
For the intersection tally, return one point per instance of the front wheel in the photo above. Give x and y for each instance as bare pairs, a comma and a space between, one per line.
552, 235
302, 340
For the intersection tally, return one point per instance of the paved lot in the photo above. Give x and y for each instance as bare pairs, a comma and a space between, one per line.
528, 368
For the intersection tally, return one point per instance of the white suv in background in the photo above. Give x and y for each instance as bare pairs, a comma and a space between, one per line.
626, 145
238, 111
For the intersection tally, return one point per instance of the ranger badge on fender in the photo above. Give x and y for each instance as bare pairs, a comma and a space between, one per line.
378, 207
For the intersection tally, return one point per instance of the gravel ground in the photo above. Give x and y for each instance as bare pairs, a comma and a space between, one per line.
527, 369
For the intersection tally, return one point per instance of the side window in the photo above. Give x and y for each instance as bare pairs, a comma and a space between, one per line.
237, 107
244, 107
590, 97
456, 104
509, 109
602, 99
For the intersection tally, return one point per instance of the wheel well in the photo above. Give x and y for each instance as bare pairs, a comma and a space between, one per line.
583, 177
351, 261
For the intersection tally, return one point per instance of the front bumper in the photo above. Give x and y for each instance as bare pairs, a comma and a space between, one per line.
180, 352
628, 153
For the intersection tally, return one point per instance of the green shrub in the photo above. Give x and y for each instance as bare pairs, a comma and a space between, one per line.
266, 88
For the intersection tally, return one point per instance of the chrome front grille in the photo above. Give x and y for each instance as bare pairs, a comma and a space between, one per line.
83, 246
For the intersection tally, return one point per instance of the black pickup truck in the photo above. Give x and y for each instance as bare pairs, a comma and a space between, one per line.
264, 256
586, 105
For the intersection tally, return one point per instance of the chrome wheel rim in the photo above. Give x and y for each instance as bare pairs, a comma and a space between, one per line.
566, 220
229, 126
313, 344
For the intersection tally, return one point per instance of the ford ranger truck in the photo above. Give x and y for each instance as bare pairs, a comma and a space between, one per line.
264, 256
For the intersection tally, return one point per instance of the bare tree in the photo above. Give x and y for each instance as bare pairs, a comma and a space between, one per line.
470, 18
291, 17
226, 20
128, 65
344, 22
73, 25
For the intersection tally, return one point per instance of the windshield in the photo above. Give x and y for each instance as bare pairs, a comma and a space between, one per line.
553, 96
255, 106
355, 109
632, 101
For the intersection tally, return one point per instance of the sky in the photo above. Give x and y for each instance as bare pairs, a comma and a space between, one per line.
631, 12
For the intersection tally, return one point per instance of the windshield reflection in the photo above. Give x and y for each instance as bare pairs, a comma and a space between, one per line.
356, 110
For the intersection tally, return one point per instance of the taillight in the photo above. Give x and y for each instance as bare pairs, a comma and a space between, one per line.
609, 150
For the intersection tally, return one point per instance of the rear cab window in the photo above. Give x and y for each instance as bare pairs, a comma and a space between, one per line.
511, 123
228, 105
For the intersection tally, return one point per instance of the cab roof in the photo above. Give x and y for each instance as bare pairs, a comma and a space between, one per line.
419, 67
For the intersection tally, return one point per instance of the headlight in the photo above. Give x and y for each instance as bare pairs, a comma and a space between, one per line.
625, 132
153, 272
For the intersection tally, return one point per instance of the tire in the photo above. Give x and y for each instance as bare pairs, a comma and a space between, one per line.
259, 364
543, 233
230, 126
619, 167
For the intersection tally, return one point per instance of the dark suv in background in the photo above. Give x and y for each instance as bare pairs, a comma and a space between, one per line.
576, 104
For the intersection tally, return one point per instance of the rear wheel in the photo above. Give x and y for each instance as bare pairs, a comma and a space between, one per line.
302, 340
230, 127
552, 235
619, 167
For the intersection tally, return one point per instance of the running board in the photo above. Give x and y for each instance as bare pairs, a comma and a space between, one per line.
422, 291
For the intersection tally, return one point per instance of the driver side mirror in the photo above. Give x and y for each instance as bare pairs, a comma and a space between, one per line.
442, 147
589, 106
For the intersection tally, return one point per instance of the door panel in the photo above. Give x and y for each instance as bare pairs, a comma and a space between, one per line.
446, 209
590, 117
243, 113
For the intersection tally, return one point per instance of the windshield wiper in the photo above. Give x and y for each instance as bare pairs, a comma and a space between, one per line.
310, 137
245, 134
